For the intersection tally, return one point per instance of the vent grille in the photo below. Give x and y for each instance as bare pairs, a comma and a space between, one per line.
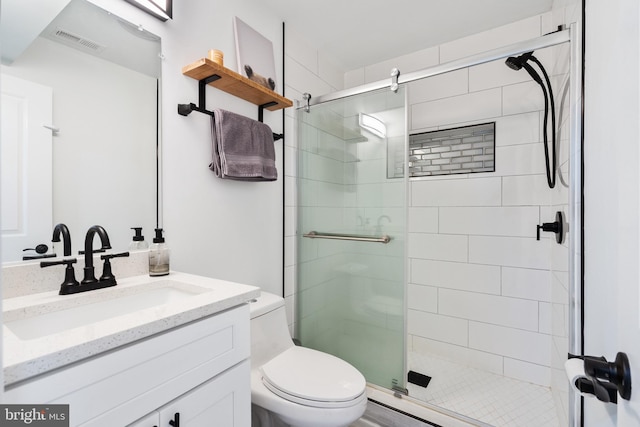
77, 41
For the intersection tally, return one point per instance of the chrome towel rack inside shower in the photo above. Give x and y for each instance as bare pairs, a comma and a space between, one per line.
357, 237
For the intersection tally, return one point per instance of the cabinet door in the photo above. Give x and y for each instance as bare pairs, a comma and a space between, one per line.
224, 401
151, 420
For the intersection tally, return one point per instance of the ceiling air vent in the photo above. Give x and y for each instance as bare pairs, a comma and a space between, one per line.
76, 41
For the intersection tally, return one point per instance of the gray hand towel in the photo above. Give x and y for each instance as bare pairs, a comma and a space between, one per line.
242, 148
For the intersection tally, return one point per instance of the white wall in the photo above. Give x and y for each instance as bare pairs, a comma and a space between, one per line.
610, 182
216, 227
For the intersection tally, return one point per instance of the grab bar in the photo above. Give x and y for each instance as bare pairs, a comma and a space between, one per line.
360, 238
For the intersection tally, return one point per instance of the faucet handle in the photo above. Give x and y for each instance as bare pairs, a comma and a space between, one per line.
95, 251
107, 275
109, 256
70, 284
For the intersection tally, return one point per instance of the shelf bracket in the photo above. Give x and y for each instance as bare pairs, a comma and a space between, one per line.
202, 89
262, 107
186, 109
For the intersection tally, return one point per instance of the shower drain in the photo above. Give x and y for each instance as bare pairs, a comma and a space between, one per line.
418, 379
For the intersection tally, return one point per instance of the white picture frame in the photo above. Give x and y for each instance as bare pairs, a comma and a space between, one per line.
254, 53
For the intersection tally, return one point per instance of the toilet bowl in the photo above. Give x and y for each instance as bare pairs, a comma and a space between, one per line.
297, 386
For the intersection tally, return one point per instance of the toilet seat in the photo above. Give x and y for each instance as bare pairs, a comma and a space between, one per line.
312, 378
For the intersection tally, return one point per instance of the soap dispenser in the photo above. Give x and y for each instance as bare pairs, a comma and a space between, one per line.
138, 243
158, 256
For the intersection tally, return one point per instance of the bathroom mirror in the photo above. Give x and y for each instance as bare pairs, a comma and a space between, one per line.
103, 74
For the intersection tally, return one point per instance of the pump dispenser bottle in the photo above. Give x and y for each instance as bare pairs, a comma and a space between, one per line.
158, 256
138, 242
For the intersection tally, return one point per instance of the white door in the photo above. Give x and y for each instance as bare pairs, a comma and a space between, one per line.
612, 198
629, 331
26, 194
629, 293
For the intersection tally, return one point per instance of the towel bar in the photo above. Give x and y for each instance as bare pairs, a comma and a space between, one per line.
186, 109
360, 238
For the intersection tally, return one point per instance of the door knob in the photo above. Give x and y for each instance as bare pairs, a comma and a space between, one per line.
553, 227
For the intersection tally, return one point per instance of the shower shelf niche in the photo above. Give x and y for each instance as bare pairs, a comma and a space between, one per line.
344, 128
235, 84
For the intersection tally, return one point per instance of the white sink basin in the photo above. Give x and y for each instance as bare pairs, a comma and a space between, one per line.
45, 331
85, 309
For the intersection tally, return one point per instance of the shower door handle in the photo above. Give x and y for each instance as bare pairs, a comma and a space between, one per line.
357, 237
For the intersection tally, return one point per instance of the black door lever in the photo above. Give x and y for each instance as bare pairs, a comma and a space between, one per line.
553, 227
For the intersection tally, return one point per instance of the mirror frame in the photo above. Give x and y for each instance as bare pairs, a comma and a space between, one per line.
153, 8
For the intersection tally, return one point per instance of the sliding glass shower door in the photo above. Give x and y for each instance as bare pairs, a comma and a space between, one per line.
350, 298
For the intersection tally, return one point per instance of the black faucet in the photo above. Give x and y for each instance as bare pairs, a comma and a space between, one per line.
89, 275
66, 237
89, 283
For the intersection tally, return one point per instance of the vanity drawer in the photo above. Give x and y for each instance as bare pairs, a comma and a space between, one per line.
138, 378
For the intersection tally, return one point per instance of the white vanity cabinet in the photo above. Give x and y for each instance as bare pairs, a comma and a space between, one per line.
199, 370
221, 401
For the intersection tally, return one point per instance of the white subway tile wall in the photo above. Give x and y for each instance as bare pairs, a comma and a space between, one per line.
478, 276
481, 105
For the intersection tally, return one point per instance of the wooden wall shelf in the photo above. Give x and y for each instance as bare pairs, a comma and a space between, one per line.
236, 84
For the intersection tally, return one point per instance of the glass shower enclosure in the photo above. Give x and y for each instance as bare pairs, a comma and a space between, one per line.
351, 232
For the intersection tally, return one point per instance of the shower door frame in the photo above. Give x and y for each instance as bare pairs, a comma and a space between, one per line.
573, 36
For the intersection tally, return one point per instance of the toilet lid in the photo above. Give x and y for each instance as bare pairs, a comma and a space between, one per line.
312, 378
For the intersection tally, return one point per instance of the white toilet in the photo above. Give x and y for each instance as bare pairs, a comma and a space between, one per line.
297, 386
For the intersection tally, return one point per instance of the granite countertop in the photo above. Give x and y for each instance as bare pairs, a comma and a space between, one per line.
38, 348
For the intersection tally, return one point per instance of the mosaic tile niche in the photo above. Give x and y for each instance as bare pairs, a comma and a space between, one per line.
467, 149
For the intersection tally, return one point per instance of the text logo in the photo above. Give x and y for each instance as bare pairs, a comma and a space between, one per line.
34, 415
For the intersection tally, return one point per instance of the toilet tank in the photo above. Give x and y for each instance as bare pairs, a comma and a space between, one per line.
269, 330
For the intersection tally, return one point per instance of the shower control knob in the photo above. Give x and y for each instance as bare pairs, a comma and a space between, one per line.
553, 227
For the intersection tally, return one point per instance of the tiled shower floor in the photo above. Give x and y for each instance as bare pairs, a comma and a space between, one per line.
483, 396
